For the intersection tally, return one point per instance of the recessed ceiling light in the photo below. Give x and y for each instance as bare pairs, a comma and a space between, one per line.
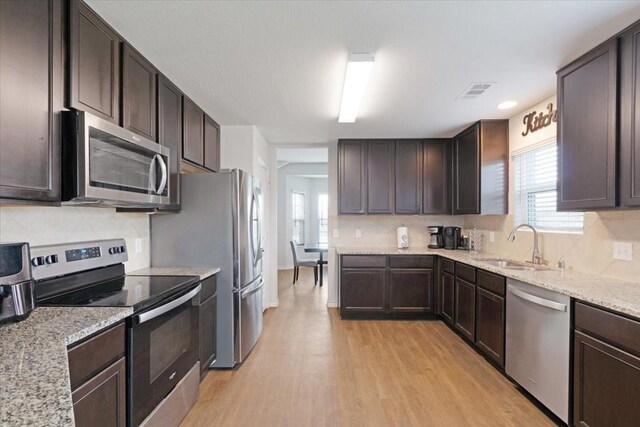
359, 68
507, 104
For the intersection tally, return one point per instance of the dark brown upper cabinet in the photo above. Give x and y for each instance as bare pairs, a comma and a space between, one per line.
139, 81
193, 132
170, 134
481, 168
352, 176
630, 117
211, 144
31, 84
408, 177
94, 64
380, 183
436, 154
587, 114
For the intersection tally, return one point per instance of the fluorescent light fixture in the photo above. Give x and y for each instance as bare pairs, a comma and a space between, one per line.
506, 105
359, 68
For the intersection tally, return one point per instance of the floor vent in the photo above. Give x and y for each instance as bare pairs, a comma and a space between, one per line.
475, 89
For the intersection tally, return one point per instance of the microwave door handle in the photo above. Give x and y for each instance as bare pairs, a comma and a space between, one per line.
163, 169
152, 314
152, 174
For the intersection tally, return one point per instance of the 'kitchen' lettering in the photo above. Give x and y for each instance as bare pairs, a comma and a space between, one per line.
535, 121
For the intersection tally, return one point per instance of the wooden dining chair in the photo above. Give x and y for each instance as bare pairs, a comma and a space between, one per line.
297, 263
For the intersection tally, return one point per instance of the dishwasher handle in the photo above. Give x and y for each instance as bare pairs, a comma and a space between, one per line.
537, 300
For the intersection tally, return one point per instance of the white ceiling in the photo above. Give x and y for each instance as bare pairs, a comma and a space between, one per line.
303, 155
280, 65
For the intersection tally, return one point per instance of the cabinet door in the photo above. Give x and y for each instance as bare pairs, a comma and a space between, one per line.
436, 169
605, 384
630, 117
31, 81
207, 333
465, 308
101, 401
490, 325
139, 79
408, 177
587, 110
211, 144
193, 132
363, 290
352, 176
170, 134
94, 64
447, 301
380, 176
410, 290
466, 169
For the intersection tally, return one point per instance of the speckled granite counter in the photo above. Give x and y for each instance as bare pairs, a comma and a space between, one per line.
35, 388
615, 294
202, 272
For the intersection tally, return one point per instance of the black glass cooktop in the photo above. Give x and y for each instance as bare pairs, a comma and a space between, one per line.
139, 292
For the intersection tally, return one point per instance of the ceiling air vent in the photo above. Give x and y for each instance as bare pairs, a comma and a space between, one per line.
475, 89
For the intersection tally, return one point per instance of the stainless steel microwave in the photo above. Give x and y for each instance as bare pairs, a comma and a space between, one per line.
105, 164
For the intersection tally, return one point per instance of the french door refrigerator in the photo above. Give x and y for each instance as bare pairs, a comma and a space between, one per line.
220, 225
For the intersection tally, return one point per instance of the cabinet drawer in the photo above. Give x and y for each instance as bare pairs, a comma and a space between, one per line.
491, 282
612, 327
95, 354
447, 265
209, 286
356, 261
417, 261
466, 272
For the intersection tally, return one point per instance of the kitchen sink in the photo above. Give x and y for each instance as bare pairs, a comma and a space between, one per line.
512, 265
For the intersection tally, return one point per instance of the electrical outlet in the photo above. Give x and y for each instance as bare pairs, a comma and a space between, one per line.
358, 233
623, 251
138, 245
492, 236
336, 233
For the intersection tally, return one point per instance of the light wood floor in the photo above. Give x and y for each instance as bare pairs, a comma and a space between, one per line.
312, 369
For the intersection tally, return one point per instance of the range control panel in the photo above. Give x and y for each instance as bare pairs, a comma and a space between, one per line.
59, 260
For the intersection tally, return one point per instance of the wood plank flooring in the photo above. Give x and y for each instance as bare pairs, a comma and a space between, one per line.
312, 369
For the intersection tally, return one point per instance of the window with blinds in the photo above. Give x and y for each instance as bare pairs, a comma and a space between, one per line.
297, 217
323, 218
536, 176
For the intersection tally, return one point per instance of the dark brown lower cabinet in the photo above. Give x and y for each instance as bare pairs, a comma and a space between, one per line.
490, 311
363, 291
208, 310
410, 290
447, 300
465, 308
101, 401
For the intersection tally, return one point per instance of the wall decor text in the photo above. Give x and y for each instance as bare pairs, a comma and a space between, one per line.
535, 121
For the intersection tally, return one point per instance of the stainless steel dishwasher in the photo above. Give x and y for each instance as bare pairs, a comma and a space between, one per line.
538, 341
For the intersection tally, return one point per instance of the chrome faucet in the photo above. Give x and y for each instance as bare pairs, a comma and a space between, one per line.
536, 258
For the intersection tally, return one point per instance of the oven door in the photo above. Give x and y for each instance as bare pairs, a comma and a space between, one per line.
163, 346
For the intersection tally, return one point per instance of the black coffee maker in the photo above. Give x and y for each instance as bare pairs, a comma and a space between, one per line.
452, 237
436, 240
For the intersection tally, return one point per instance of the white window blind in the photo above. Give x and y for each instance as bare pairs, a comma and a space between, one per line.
536, 176
297, 206
323, 218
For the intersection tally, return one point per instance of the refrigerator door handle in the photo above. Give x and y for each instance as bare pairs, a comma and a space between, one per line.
252, 289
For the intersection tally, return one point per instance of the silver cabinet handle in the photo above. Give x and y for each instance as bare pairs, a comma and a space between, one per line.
253, 289
539, 301
152, 314
163, 169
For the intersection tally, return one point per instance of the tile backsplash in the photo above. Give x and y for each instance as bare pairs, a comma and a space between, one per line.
50, 225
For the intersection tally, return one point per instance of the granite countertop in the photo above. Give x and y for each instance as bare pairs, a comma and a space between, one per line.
202, 272
615, 294
35, 388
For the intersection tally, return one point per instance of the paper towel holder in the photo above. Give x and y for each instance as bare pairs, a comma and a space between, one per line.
403, 237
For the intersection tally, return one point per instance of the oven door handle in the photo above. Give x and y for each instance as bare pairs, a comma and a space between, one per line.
152, 314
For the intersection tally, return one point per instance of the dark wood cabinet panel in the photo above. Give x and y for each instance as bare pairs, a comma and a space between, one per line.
630, 117
447, 301
381, 176
101, 401
411, 261
410, 290
490, 330
170, 134
466, 168
465, 308
211, 144
94, 354
94, 64
491, 282
357, 261
31, 84
436, 173
208, 310
363, 290
408, 186
587, 114
139, 80
352, 176
193, 132
605, 384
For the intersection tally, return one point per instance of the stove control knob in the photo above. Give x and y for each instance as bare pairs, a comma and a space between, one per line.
51, 259
122, 249
112, 251
37, 261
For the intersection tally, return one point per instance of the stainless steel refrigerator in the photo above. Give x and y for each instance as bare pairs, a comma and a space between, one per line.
220, 225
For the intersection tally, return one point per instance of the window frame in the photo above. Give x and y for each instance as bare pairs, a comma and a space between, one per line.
302, 229
321, 219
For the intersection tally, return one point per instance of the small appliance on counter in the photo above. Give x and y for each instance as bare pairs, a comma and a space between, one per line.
436, 240
451, 237
403, 237
16, 284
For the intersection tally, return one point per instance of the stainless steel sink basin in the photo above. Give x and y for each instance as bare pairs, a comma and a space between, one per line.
512, 265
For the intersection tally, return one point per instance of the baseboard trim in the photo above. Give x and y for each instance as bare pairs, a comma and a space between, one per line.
332, 305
